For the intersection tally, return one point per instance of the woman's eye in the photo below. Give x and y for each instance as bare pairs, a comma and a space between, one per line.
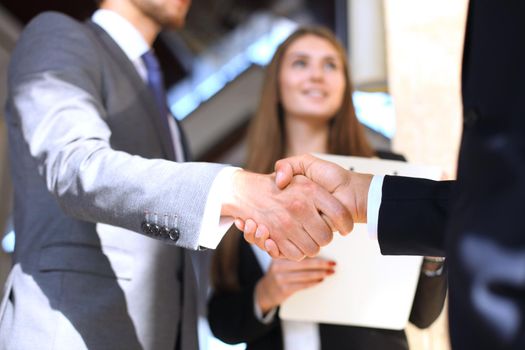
330, 66
299, 63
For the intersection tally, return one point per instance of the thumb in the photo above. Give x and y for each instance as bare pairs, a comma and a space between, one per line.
286, 168
284, 173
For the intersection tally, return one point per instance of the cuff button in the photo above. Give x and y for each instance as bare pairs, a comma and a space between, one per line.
174, 234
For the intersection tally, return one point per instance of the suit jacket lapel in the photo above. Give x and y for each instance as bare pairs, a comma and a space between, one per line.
183, 141
147, 98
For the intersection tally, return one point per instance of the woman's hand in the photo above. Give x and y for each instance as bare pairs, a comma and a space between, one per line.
285, 277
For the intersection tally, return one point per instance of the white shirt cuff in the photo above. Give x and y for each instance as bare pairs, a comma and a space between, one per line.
214, 226
266, 319
374, 202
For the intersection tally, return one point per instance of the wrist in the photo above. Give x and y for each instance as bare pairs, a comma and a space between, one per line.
231, 201
358, 187
261, 298
366, 181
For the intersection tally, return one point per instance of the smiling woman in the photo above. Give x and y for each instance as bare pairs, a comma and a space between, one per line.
306, 97
306, 106
311, 81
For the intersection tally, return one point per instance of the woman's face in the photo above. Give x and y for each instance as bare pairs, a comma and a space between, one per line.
311, 79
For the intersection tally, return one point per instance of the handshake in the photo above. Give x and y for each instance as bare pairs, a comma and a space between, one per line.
294, 212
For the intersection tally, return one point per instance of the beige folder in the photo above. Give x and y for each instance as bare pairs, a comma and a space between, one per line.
367, 289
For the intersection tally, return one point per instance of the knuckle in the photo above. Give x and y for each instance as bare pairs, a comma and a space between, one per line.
312, 250
248, 237
296, 205
286, 222
309, 187
341, 212
324, 238
296, 256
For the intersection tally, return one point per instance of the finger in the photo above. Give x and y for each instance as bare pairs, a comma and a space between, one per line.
250, 226
305, 265
284, 173
301, 223
318, 234
304, 227
336, 213
261, 235
272, 249
286, 168
328, 222
249, 231
306, 276
295, 287
290, 251
332, 225
262, 232
239, 223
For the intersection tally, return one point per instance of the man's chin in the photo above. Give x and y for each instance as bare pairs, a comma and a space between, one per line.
174, 23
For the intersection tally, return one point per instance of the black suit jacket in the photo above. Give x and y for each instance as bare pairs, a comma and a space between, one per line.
232, 319
481, 229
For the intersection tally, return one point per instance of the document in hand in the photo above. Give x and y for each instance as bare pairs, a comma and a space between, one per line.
367, 289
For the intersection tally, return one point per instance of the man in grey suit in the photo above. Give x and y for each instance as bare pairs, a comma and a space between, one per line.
103, 203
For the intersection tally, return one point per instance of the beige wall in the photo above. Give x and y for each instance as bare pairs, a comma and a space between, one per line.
366, 35
424, 50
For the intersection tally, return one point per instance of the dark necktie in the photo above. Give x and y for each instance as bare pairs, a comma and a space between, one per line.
156, 85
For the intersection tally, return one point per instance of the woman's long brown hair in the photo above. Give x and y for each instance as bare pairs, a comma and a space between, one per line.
266, 142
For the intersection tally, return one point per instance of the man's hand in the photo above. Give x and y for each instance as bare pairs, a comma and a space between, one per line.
350, 188
300, 218
285, 277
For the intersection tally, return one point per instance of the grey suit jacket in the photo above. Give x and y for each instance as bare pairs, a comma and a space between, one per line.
87, 162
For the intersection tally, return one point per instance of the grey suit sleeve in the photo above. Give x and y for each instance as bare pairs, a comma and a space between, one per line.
55, 105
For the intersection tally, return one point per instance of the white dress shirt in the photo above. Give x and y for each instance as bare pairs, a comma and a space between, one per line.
131, 41
375, 192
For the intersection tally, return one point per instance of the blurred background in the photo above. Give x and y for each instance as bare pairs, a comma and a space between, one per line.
405, 58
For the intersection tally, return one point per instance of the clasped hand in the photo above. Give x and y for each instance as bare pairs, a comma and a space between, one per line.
344, 197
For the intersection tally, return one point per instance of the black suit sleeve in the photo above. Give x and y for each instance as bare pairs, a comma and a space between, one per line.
413, 215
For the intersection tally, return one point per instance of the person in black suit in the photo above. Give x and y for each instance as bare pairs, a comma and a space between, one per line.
477, 220
306, 106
